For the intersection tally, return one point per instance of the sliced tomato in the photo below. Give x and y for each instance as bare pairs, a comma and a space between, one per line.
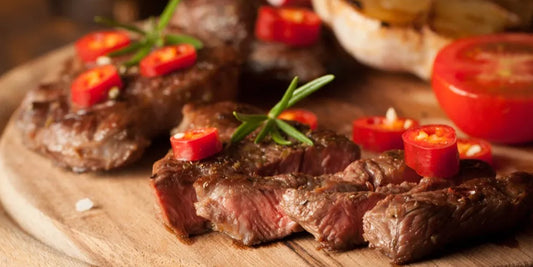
96, 44
167, 59
283, 3
485, 85
196, 144
432, 150
292, 26
94, 85
474, 149
300, 115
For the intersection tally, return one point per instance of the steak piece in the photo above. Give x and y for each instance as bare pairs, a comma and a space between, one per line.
250, 208
410, 226
172, 180
219, 22
335, 217
232, 22
247, 208
116, 132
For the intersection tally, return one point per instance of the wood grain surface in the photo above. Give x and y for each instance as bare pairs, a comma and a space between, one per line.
17, 248
123, 228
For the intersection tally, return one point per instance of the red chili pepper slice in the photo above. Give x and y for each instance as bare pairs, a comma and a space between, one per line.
93, 86
300, 115
432, 150
474, 149
378, 134
196, 144
96, 44
168, 59
292, 26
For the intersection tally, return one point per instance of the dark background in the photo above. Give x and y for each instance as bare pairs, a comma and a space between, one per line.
30, 28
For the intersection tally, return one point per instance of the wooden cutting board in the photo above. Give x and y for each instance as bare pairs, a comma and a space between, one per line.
123, 228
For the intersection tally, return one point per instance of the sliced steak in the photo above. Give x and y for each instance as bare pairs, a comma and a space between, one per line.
335, 217
246, 208
114, 133
410, 226
171, 177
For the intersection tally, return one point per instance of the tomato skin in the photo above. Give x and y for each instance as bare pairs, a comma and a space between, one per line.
103, 78
486, 150
497, 111
167, 59
430, 159
371, 134
196, 144
96, 44
292, 26
302, 116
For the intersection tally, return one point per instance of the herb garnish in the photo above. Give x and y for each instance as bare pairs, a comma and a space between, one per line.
270, 122
151, 38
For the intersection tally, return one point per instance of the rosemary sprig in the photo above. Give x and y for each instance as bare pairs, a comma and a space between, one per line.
151, 38
270, 123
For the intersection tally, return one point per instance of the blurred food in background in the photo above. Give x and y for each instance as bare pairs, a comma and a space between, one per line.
49, 24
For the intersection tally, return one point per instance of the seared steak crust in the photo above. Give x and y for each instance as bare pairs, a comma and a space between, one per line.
114, 133
410, 226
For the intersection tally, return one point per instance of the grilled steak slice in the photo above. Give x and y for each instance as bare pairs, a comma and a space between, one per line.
246, 208
335, 217
410, 226
114, 133
283, 62
172, 177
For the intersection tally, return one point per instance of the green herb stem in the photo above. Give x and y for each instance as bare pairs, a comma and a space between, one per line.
270, 122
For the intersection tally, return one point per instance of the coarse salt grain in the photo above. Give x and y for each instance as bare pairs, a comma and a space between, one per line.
391, 115
84, 204
179, 135
407, 124
473, 150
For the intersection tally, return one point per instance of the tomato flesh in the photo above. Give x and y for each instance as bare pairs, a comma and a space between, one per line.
485, 85
167, 59
377, 134
292, 26
300, 115
93, 86
196, 144
474, 149
432, 150
96, 44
